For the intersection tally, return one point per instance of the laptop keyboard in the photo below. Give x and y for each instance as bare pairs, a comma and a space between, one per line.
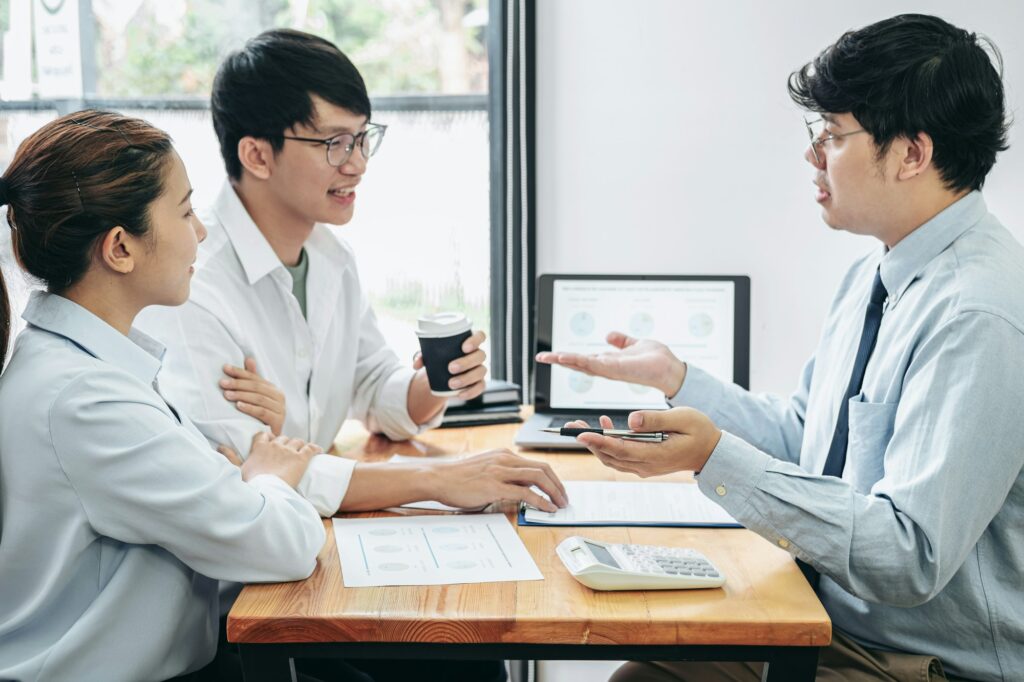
617, 422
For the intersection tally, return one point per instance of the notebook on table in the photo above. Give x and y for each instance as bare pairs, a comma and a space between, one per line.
703, 319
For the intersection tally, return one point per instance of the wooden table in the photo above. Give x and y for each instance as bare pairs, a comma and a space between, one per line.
765, 612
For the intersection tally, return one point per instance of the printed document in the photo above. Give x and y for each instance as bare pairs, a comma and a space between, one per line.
432, 550
607, 503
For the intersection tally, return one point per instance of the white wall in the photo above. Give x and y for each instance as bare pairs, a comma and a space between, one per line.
667, 143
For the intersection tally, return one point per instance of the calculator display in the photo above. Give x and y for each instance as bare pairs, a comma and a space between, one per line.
602, 554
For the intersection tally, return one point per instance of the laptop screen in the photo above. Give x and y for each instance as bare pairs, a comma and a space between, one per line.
695, 318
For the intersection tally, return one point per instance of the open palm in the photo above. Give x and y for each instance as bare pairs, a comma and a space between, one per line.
638, 361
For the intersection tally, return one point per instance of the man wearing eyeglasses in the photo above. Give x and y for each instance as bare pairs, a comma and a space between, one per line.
276, 286
893, 474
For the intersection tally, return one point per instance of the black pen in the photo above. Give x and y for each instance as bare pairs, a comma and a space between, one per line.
625, 434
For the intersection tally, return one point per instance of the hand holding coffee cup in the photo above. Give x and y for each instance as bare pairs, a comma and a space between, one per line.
451, 354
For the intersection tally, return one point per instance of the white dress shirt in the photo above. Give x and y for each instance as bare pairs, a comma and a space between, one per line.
116, 517
330, 364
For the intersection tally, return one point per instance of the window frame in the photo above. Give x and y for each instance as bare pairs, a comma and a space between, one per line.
510, 104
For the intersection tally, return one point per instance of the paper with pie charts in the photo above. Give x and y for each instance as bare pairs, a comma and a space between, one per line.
432, 550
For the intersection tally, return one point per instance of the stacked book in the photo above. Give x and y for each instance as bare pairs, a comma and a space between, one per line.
498, 404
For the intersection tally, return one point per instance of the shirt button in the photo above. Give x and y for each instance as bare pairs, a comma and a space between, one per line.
720, 490
784, 543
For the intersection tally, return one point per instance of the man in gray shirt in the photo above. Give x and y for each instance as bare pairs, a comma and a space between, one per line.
894, 473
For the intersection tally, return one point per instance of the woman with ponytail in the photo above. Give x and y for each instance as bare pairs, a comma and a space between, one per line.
116, 517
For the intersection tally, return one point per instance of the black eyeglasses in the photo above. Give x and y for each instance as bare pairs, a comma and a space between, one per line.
340, 147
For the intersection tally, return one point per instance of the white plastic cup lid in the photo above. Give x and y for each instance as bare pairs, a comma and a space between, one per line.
442, 324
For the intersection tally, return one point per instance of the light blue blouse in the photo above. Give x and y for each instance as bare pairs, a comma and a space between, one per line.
921, 543
116, 517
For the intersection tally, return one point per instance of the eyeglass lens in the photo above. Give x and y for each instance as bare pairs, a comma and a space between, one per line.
341, 149
816, 131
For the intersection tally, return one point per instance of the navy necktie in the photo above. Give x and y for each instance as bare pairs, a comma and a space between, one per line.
836, 461
841, 436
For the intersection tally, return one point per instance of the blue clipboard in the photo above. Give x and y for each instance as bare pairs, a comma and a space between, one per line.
521, 520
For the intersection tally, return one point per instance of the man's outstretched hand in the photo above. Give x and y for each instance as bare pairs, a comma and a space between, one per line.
638, 361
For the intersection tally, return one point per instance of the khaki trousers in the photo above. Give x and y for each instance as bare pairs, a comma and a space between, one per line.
842, 661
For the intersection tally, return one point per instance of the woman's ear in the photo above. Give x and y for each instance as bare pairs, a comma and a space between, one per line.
256, 156
117, 250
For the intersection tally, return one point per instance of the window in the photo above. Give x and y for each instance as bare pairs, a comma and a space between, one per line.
421, 230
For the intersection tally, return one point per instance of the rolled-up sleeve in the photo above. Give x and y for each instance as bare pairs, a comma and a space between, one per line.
325, 483
381, 399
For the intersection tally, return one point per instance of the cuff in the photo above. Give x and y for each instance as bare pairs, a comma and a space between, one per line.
390, 414
731, 474
700, 391
325, 483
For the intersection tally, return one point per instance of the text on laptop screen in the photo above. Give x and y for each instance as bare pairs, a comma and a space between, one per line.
693, 318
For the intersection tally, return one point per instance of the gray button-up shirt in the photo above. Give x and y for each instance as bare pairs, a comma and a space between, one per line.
921, 543
116, 516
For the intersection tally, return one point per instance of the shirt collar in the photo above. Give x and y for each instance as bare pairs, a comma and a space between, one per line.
254, 251
136, 353
900, 265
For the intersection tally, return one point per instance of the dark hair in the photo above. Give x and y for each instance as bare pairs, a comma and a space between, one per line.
910, 74
71, 182
264, 89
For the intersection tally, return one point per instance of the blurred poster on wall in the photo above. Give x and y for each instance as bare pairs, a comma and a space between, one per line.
58, 48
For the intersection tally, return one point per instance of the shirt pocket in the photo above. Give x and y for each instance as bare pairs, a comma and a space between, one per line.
871, 426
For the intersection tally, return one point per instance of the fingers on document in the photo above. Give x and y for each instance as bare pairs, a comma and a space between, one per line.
522, 472
521, 493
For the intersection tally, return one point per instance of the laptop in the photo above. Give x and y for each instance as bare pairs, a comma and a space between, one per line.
705, 320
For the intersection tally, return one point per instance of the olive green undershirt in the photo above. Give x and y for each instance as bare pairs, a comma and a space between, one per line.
299, 273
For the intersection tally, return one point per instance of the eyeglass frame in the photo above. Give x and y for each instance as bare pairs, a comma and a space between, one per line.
357, 138
817, 141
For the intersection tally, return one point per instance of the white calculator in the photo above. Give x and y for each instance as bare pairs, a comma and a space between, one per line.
604, 566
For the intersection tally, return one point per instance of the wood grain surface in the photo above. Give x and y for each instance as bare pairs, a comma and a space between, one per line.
765, 600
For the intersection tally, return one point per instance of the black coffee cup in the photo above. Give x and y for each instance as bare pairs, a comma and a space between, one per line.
441, 336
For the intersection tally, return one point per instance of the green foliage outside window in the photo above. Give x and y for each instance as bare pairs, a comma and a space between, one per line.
159, 49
